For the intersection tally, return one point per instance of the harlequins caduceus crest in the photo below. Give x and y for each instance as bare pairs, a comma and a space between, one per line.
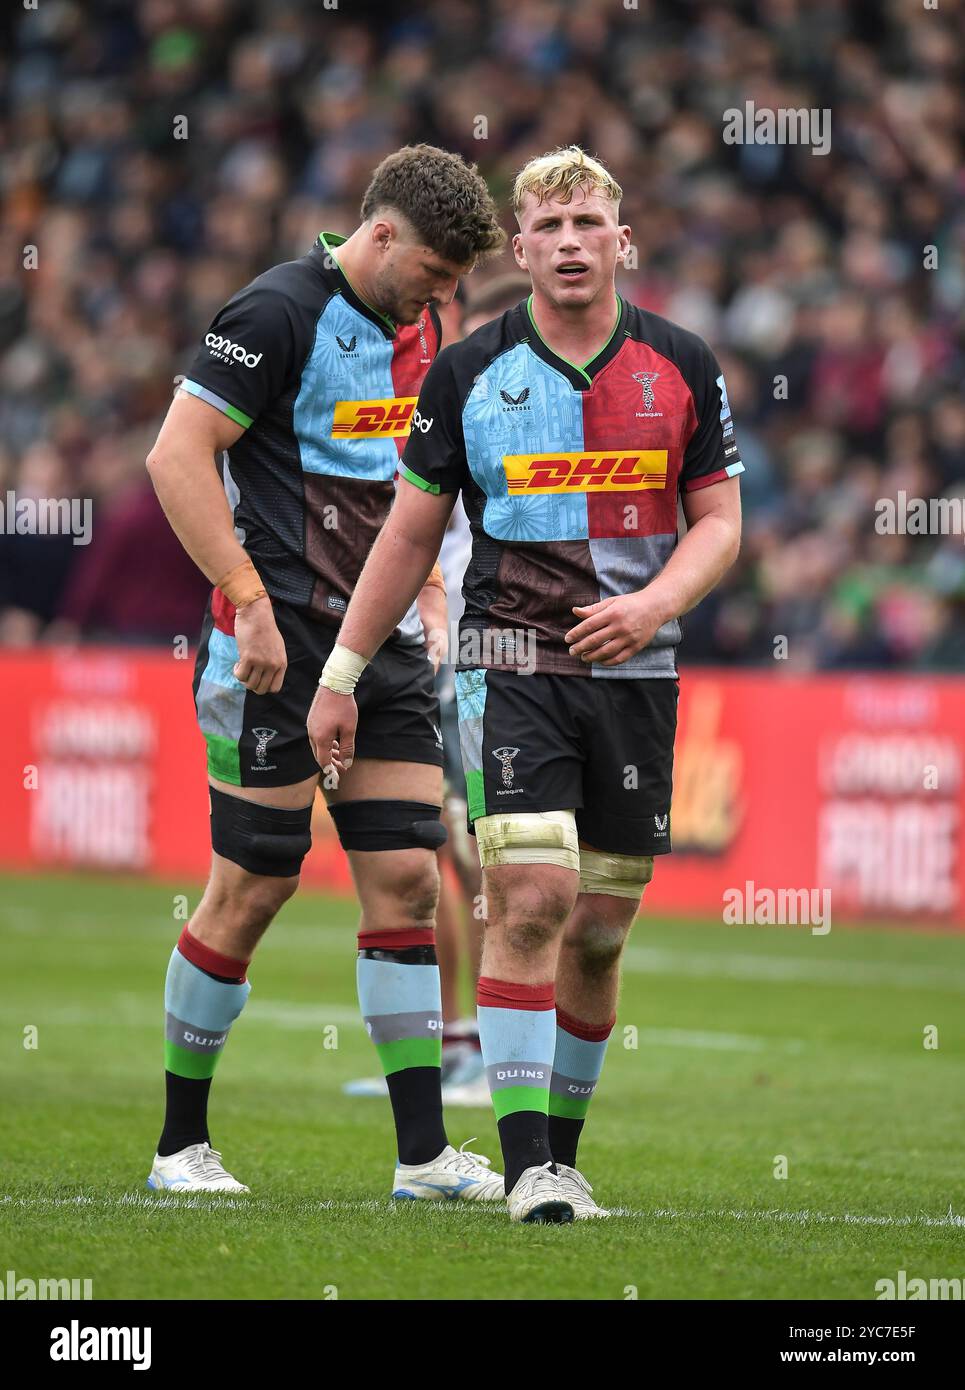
646, 380
506, 756
264, 737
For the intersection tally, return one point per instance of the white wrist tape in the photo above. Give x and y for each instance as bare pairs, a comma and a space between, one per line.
342, 670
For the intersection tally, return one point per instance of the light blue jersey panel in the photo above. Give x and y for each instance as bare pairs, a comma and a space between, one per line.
351, 360
521, 405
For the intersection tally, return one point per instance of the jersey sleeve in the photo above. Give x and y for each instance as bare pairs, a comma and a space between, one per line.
246, 356
435, 453
711, 455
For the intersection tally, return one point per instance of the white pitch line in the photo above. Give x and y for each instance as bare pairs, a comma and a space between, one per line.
637, 958
718, 1042
86, 926
213, 1202
128, 1011
805, 1218
742, 965
278, 1013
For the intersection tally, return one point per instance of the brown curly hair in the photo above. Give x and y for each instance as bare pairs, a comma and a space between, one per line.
444, 198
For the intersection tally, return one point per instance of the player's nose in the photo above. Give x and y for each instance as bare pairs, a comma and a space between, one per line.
446, 291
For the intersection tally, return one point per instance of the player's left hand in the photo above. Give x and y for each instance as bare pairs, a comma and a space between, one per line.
614, 629
332, 722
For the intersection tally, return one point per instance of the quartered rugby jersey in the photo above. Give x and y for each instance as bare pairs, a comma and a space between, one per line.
570, 476
325, 387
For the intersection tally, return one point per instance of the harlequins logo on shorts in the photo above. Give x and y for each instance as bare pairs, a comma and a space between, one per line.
264, 737
506, 756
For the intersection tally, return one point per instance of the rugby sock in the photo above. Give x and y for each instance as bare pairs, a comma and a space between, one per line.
580, 1050
203, 995
517, 1031
400, 995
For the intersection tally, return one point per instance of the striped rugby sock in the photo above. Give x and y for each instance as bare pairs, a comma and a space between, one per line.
517, 1033
203, 995
400, 995
580, 1050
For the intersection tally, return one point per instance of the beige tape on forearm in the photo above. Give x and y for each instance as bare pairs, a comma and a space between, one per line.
242, 585
436, 578
342, 670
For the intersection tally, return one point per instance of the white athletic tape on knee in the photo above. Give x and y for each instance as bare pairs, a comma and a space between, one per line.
529, 837
619, 875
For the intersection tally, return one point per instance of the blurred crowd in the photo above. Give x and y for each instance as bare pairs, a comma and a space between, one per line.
157, 154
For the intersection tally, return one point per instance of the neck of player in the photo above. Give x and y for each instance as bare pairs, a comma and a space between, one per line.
355, 260
576, 332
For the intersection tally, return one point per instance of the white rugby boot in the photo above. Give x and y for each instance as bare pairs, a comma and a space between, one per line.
198, 1168
456, 1175
538, 1197
579, 1194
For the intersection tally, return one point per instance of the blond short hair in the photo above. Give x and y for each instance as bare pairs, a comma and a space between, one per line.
560, 173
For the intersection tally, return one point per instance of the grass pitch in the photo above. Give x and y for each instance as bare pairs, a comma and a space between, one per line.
751, 1044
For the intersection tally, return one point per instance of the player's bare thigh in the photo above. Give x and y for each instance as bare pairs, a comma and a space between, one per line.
378, 779
397, 888
288, 798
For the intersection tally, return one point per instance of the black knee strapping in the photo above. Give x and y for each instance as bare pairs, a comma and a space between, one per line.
374, 825
262, 839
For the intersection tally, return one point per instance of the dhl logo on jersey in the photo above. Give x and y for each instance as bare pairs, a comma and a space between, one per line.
373, 419
606, 470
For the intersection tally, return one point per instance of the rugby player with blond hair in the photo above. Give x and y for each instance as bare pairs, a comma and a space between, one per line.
571, 425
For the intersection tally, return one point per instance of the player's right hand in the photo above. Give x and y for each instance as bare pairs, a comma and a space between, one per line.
262, 658
332, 722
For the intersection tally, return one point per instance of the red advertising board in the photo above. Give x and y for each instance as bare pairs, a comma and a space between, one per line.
850, 784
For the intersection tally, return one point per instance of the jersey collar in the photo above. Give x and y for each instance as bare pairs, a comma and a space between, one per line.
324, 249
579, 375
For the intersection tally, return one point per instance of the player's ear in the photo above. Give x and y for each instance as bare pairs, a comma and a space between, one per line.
382, 233
623, 241
519, 253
